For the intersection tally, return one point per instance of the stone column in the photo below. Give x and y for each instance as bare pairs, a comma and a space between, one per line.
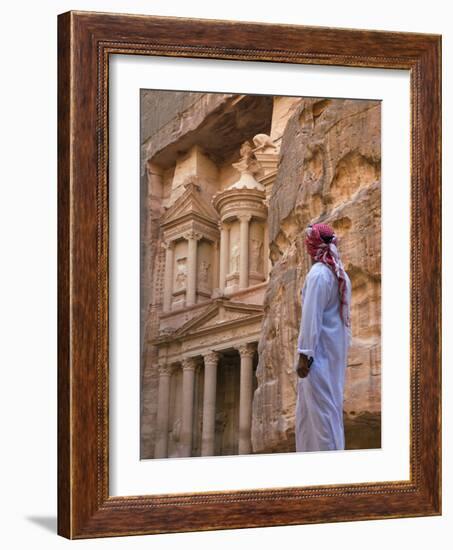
209, 399
161, 445
267, 261
224, 249
244, 250
191, 291
168, 283
216, 261
246, 352
189, 365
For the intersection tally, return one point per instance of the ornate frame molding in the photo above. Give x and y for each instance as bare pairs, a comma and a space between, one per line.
85, 42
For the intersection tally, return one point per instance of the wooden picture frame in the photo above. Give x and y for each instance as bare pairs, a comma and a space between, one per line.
85, 42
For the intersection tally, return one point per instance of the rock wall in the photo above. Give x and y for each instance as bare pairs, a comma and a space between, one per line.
329, 171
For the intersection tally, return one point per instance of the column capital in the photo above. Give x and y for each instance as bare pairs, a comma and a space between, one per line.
211, 358
168, 244
165, 369
246, 350
244, 217
192, 234
189, 363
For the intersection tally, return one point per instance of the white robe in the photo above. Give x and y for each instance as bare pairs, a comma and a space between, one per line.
323, 336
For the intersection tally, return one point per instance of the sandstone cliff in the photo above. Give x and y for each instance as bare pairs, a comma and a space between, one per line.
329, 171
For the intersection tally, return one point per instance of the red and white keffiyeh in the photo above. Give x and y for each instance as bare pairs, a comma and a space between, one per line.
321, 244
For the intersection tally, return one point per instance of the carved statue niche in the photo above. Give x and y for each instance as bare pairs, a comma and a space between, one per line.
256, 255
234, 258
175, 431
181, 273
203, 273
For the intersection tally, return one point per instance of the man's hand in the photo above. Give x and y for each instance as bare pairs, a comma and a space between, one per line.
302, 368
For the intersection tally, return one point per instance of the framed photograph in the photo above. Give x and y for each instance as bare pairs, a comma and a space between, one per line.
249, 240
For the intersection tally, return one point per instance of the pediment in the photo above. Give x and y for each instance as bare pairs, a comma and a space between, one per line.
189, 203
222, 312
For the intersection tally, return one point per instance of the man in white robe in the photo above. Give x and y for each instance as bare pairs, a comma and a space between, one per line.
323, 343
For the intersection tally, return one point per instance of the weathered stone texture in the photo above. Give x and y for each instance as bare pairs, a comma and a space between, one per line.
329, 171
159, 108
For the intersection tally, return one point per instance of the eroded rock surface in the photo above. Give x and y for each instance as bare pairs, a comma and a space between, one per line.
329, 171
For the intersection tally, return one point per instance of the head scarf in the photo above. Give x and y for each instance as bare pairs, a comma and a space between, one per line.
321, 244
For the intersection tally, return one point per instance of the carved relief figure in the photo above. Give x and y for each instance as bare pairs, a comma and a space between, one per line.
264, 142
181, 273
256, 255
234, 258
175, 430
204, 272
246, 150
247, 162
